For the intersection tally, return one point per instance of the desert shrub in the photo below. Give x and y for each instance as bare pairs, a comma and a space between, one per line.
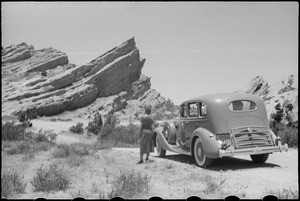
126, 135
44, 136
78, 128
21, 117
28, 155
18, 147
129, 184
59, 119
50, 179
28, 114
62, 151
32, 113
42, 146
288, 134
81, 149
42, 141
278, 117
110, 124
12, 183
10, 131
28, 136
289, 106
213, 184
75, 160
95, 126
41, 137
23, 147
284, 193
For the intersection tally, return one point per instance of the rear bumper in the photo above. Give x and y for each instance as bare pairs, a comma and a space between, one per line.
252, 151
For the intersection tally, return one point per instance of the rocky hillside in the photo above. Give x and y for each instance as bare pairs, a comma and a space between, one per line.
45, 81
279, 94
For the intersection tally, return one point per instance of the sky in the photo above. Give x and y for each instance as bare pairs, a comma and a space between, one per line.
191, 48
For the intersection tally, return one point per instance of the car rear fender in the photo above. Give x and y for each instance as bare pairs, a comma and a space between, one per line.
210, 145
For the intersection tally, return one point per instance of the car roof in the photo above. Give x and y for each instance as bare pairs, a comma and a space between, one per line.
225, 97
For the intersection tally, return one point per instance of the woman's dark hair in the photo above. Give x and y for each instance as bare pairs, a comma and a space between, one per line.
147, 110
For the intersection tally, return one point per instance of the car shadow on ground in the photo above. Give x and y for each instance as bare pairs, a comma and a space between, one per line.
223, 164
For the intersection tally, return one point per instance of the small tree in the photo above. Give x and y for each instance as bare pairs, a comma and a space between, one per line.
111, 122
78, 128
95, 126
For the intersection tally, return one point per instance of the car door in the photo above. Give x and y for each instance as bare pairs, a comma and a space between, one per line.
190, 123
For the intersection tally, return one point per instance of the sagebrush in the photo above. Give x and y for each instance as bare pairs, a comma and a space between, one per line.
30, 142
50, 179
80, 149
12, 183
129, 184
11, 131
213, 184
78, 128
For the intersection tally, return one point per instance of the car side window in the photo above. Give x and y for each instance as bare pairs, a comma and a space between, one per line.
203, 110
193, 109
183, 110
242, 105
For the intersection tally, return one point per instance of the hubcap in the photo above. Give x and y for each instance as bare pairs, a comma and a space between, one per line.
199, 151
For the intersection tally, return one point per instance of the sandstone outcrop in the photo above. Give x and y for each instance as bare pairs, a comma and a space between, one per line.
15, 53
283, 93
115, 75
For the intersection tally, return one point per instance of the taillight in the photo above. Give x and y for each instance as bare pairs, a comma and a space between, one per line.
222, 136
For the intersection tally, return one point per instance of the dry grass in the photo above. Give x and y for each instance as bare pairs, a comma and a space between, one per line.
12, 183
284, 193
213, 184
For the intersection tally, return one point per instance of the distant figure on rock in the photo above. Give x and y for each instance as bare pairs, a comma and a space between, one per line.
145, 137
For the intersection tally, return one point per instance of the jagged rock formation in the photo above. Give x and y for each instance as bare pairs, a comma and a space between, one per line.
283, 93
115, 76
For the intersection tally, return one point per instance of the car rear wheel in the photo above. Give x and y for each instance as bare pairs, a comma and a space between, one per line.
259, 158
199, 154
160, 151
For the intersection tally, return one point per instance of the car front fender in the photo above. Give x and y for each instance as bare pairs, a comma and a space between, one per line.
210, 145
158, 132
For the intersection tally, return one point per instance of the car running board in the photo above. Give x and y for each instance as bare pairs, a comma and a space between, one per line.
177, 149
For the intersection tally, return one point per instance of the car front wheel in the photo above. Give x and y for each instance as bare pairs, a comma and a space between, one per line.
160, 151
259, 158
199, 154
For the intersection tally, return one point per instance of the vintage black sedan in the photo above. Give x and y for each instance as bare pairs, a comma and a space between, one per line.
219, 125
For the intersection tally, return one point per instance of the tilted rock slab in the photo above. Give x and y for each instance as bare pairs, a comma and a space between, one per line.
115, 72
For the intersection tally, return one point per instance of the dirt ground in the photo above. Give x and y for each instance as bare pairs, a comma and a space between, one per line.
172, 177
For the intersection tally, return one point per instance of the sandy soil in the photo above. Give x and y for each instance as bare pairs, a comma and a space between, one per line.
172, 177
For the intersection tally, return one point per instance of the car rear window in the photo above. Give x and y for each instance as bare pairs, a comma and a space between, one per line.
242, 105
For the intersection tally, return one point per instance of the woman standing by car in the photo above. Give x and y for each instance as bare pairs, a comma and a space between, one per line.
145, 137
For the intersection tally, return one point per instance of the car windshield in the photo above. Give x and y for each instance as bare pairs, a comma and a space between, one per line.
242, 105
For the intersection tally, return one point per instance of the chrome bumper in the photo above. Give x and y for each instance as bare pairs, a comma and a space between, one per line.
230, 151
